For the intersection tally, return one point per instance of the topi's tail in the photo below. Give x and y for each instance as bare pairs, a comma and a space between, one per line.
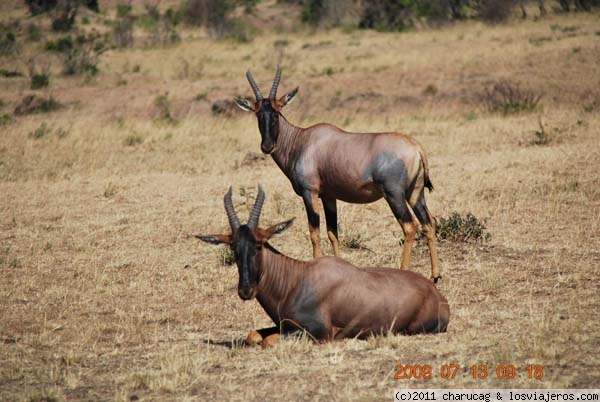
425, 163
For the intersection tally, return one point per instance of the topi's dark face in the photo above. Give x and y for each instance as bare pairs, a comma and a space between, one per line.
246, 247
247, 242
268, 124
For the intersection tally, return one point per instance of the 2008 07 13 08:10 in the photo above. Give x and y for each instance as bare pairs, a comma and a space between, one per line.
477, 371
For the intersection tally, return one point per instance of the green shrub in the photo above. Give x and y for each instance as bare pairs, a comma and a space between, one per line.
40, 80
123, 10
163, 104
5, 119
61, 45
34, 33
10, 73
313, 11
8, 43
49, 105
460, 228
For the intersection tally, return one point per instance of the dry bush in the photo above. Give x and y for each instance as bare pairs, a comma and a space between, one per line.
163, 105
64, 15
31, 104
40, 6
493, 11
330, 12
386, 15
541, 137
212, 14
123, 32
81, 59
9, 46
36, 7
225, 107
162, 28
458, 228
508, 97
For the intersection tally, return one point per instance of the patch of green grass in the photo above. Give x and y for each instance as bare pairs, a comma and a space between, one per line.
123, 10
34, 34
49, 105
40, 80
471, 116
43, 398
133, 139
163, 104
61, 45
539, 41
10, 73
226, 256
201, 96
564, 29
6, 119
42, 131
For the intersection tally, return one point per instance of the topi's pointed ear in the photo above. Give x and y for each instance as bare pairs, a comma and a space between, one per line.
277, 229
215, 239
289, 97
244, 104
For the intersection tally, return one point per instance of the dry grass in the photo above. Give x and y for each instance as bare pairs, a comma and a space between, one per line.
104, 294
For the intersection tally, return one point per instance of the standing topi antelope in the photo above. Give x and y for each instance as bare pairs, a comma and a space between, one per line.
326, 162
327, 297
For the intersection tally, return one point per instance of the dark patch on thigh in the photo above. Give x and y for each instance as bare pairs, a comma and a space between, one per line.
305, 313
388, 170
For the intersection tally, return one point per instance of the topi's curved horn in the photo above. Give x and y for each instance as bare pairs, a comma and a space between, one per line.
273, 92
234, 222
255, 88
255, 214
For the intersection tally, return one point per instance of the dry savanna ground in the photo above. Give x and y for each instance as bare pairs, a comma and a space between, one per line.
105, 294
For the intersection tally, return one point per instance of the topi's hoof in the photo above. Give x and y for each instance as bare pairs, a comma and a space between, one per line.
437, 278
253, 339
270, 341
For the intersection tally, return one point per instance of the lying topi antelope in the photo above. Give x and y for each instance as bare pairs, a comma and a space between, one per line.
326, 162
327, 297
